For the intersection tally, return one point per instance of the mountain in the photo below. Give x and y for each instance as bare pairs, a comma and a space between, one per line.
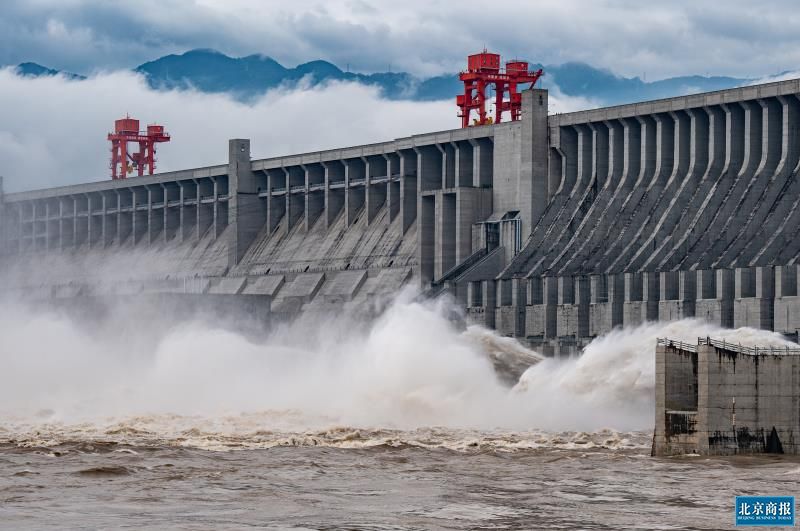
212, 71
578, 79
37, 70
248, 77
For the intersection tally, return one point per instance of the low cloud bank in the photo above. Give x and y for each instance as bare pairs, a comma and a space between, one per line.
53, 131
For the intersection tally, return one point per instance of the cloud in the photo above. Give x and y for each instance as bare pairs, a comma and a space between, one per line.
740, 38
54, 130
783, 76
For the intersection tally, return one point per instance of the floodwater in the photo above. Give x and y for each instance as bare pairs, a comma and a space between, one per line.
369, 479
408, 421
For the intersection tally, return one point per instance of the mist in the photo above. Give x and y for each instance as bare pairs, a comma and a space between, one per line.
410, 368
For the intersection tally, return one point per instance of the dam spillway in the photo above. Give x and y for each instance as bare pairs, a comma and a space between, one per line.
553, 229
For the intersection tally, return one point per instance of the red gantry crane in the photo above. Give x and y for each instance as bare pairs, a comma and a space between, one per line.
127, 130
483, 70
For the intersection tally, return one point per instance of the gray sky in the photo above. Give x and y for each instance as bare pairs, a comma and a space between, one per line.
735, 37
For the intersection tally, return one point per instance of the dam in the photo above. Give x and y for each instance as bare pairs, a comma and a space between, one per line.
553, 229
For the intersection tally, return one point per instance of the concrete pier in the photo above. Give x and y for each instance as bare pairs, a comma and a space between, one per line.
715, 398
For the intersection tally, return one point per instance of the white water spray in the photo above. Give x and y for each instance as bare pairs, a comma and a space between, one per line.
411, 368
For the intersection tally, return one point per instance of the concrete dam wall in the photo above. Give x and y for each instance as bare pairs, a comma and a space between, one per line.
553, 229
718, 398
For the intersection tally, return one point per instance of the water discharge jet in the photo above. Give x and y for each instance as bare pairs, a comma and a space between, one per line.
410, 368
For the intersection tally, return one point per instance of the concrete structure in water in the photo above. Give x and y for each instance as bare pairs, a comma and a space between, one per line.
716, 398
552, 229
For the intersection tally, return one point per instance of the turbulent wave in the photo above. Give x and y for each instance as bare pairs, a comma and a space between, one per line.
268, 430
408, 377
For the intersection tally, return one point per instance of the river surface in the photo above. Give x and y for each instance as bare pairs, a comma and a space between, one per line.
344, 478
326, 423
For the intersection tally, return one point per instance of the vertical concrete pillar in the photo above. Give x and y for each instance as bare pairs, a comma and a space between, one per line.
633, 310
61, 223
765, 282
446, 235
47, 225
247, 213
566, 290
665, 149
616, 298
535, 288
355, 195
569, 147
392, 185
550, 300
765, 295
448, 152
376, 192
786, 317
95, 202
426, 239
534, 157
474, 294
88, 226
109, 227
276, 201
205, 211
125, 218
668, 285
649, 153
616, 152
218, 225
482, 162
155, 216
165, 221
585, 153
633, 287
687, 292
314, 200
138, 222
488, 290
753, 300
183, 220
651, 292
744, 286
599, 309
582, 300
295, 202
472, 206
74, 210
334, 198
429, 168
408, 188
170, 223
725, 294
464, 164
706, 284
566, 319
429, 177
519, 300
677, 295
598, 289
632, 152
786, 281
700, 142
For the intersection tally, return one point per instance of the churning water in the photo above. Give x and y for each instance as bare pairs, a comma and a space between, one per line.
398, 423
